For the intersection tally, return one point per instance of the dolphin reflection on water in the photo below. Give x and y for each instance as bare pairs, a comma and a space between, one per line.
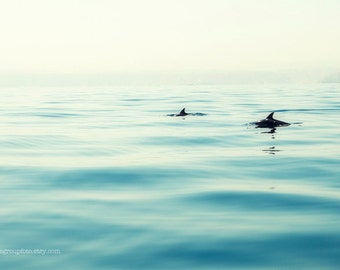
272, 150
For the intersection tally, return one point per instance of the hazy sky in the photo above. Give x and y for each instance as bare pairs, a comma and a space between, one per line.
141, 35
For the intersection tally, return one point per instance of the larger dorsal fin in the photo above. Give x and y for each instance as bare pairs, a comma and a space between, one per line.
270, 116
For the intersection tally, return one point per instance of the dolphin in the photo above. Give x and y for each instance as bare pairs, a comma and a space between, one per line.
182, 113
270, 122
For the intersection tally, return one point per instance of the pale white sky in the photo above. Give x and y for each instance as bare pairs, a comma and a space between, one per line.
80, 36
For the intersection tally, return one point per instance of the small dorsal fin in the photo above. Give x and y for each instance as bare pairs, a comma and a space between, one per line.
182, 111
270, 116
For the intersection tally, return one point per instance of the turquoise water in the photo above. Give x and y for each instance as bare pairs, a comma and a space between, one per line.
102, 178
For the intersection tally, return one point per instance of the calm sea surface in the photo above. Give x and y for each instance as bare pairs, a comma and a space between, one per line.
102, 178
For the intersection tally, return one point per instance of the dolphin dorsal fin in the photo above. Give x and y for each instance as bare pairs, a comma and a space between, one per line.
270, 116
182, 111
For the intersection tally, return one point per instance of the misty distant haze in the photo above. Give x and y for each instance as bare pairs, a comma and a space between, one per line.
161, 78
169, 40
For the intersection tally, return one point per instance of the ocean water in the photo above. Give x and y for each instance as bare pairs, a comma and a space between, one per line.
102, 178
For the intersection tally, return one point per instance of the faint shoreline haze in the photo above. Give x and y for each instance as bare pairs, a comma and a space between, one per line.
162, 77
334, 78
